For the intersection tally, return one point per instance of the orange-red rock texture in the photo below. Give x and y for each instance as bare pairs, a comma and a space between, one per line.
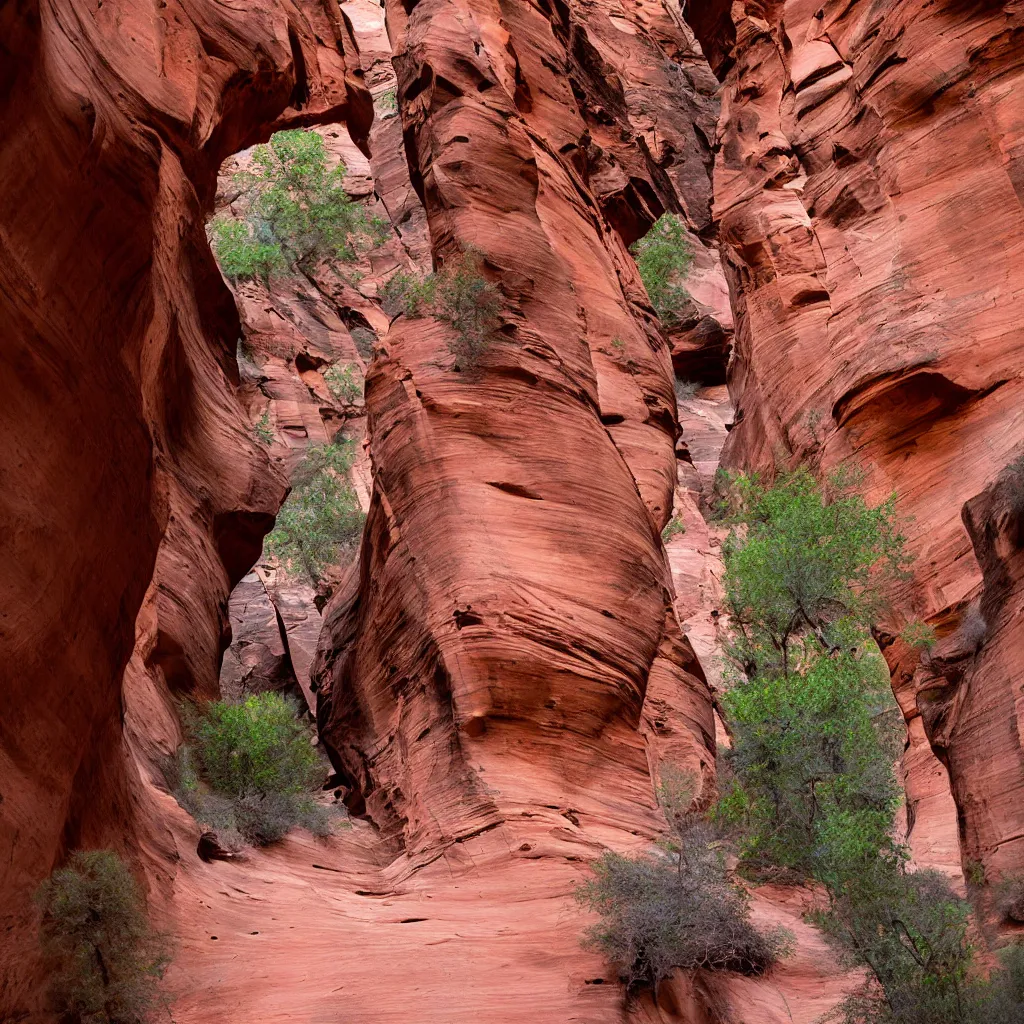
505, 667
869, 179
127, 465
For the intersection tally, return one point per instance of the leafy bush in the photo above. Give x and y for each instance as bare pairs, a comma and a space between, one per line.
805, 562
663, 257
910, 930
297, 212
248, 770
388, 101
321, 516
262, 431
819, 785
458, 295
241, 255
255, 746
673, 527
675, 908
345, 383
919, 634
105, 959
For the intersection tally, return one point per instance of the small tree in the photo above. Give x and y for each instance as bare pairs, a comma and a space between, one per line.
910, 930
297, 212
663, 257
458, 295
675, 908
321, 516
805, 561
106, 961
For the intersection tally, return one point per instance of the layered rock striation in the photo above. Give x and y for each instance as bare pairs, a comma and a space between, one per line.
130, 480
869, 179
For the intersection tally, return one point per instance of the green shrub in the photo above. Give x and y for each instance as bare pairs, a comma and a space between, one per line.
674, 909
297, 212
458, 295
248, 770
321, 516
241, 255
1010, 897
919, 634
805, 562
663, 257
388, 101
673, 527
345, 383
105, 960
910, 930
819, 783
255, 746
263, 431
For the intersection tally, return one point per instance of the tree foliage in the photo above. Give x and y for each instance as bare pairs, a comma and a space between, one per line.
805, 561
297, 212
458, 295
806, 569
105, 959
321, 517
663, 257
248, 769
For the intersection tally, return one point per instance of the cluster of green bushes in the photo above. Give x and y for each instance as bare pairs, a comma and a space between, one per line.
297, 212
458, 295
321, 517
105, 961
813, 794
663, 257
249, 770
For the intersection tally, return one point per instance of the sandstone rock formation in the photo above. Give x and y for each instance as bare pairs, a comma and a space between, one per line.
129, 466
868, 194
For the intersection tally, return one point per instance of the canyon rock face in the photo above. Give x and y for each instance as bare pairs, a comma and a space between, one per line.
467, 680
130, 480
869, 180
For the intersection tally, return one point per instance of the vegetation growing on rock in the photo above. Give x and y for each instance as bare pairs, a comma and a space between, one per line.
815, 793
296, 212
663, 257
321, 517
675, 907
104, 958
248, 769
458, 295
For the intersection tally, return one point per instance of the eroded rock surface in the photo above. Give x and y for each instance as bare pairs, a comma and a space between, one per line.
868, 193
129, 466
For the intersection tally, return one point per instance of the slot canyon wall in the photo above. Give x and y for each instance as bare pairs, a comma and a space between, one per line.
128, 478
868, 184
509, 660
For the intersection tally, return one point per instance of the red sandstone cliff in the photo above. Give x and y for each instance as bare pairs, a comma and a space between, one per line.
127, 461
507, 663
869, 180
